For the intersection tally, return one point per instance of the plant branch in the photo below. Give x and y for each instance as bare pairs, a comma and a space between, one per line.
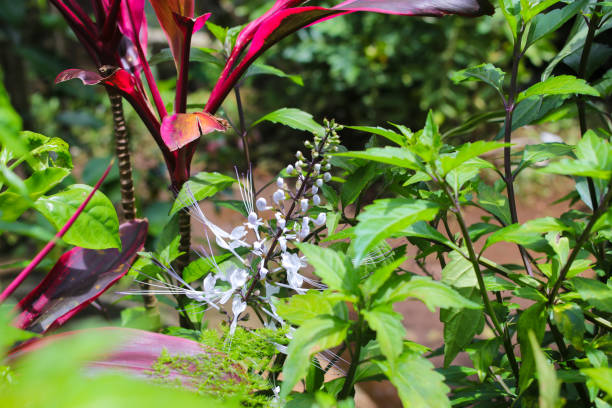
243, 131
580, 242
348, 380
510, 106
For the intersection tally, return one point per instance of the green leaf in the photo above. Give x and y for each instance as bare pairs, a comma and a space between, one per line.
432, 293
199, 187
10, 125
461, 325
314, 335
541, 152
511, 10
330, 267
466, 152
531, 320
356, 183
202, 266
389, 330
466, 171
195, 55
527, 234
300, 308
597, 294
544, 24
379, 277
263, 69
482, 353
294, 118
487, 73
385, 218
559, 85
569, 320
96, 228
548, 384
601, 377
531, 8
396, 156
421, 229
494, 202
386, 133
418, 385
459, 272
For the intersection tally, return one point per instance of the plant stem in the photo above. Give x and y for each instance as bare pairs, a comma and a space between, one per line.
580, 242
582, 73
481, 285
184, 223
347, 388
243, 132
580, 387
510, 106
126, 182
51, 244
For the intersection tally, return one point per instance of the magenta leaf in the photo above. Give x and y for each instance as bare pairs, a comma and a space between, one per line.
132, 351
180, 129
419, 7
78, 278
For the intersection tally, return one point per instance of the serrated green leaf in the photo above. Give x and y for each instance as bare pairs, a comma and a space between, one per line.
544, 24
559, 85
418, 385
597, 294
379, 277
389, 330
96, 228
263, 69
385, 218
356, 183
466, 152
294, 118
601, 377
531, 320
331, 268
487, 73
569, 320
386, 133
199, 187
389, 155
313, 336
300, 308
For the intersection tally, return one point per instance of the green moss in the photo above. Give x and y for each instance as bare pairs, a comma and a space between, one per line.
237, 371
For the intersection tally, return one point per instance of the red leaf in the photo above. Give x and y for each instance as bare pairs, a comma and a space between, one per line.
165, 10
419, 8
181, 128
78, 278
133, 352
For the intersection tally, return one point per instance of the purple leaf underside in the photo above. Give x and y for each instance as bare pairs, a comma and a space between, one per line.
77, 279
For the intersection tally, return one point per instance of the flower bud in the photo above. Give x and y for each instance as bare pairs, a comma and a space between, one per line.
304, 204
280, 182
327, 177
278, 196
261, 204
315, 189
319, 182
316, 200
290, 169
320, 220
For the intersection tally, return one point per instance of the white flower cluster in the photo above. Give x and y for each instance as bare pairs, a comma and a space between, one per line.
262, 247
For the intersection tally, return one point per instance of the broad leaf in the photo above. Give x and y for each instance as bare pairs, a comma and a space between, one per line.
528, 234
432, 293
313, 336
263, 69
180, 129
300, 308
199, 187
77, 279
532, 320
96, 228
548, 384
389, 330
331, 268
461, 325
559, 85
544, 24
357, 182
386, 218
389, 155
418, 385
294, 118
597, 294
487, 73
466, 152
569, 320
601, 377
379, 277
386, 133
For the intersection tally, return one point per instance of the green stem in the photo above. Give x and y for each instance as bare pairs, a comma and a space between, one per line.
347, 388
481, 285
580, 242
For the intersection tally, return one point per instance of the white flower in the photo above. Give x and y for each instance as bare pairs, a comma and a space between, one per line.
304, 204
280, 220
282, 241
261, 204
292, 262
321, 219
259, 248
262, 272
238, 306
278, 196
327, 177
280, 182
316, 200
305, 228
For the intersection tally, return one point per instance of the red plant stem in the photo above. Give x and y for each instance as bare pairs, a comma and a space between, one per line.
51, 244
180, 102
157, 99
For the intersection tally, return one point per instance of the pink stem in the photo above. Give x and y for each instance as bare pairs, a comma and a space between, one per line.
51, 244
